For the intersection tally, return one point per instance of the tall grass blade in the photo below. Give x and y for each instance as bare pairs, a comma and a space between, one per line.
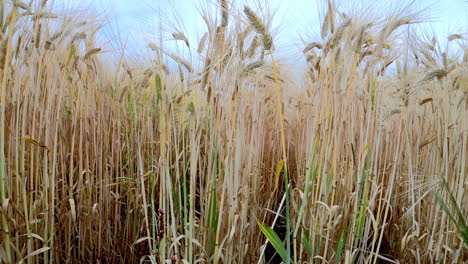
274, 239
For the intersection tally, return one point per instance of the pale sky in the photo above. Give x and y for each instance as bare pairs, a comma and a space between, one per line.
137, 20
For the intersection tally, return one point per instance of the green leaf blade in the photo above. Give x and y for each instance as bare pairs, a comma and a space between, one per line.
274, 239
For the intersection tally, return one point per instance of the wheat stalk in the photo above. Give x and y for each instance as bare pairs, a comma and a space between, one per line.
181, 36
224, 13
311, 46
259, 27
201, 44
251, 66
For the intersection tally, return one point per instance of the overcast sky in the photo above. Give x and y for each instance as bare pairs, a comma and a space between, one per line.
136, 20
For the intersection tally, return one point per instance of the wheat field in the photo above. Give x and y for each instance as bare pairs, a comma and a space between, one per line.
222, 153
